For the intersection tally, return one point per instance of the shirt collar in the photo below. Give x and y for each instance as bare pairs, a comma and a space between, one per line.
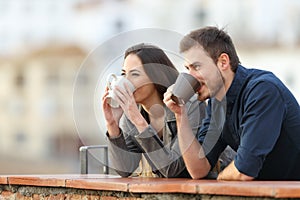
237, 84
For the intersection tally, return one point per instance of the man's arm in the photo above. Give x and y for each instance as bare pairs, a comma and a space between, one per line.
192, 152
231, 173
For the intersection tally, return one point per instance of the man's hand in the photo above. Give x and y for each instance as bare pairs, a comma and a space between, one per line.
231, 173
172, 104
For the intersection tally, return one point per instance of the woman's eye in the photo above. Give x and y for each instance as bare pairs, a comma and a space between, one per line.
134, 74
123, 74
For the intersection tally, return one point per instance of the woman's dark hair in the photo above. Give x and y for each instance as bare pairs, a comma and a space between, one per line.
157, 65
214, 41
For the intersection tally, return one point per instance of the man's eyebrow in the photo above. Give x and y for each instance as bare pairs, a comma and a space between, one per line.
192, 64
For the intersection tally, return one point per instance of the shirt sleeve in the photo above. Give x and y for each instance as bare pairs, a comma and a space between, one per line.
205, 124
260, 126
124, 154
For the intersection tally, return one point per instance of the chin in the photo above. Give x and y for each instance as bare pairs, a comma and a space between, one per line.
202, 98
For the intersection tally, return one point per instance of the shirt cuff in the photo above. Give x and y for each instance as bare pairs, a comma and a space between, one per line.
115, 139
148, 132
248, 163
149, 140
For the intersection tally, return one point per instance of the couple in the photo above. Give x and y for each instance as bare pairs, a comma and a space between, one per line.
250, 128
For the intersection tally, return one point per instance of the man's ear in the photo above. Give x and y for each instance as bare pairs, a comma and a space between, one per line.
224, 61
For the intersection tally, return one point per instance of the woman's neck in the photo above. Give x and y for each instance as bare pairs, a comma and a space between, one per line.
156, 114
153, 106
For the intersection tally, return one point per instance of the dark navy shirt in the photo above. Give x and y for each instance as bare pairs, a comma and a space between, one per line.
260, 119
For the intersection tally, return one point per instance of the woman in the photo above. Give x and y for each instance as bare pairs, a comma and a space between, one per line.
142, 132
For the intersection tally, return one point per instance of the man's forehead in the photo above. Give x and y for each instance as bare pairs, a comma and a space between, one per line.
194, 54
195, 49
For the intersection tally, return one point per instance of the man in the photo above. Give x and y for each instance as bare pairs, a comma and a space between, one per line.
250, 110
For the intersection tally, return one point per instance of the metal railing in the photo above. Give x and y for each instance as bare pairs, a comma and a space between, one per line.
84, 158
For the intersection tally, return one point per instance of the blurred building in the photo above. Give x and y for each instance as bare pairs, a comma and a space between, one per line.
36, 104
90, 22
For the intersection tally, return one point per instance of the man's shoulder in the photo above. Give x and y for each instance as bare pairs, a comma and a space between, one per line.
263, 78
259, 74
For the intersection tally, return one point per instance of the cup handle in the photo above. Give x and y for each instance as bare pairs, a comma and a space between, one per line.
109, 80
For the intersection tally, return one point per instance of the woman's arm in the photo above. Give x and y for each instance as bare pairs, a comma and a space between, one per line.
124, 154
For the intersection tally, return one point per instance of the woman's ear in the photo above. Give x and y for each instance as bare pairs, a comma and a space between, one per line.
224, 61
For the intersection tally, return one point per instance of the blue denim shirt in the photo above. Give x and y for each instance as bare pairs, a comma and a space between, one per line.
260, 119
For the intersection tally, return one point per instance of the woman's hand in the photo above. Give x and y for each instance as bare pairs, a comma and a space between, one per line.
127, 102
112, 116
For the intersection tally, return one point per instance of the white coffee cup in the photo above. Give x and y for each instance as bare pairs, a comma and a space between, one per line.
112, 81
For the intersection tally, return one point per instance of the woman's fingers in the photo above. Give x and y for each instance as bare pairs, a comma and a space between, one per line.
124, 94
128, 89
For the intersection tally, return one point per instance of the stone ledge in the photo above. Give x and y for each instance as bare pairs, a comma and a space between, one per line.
270, 189
3, 180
